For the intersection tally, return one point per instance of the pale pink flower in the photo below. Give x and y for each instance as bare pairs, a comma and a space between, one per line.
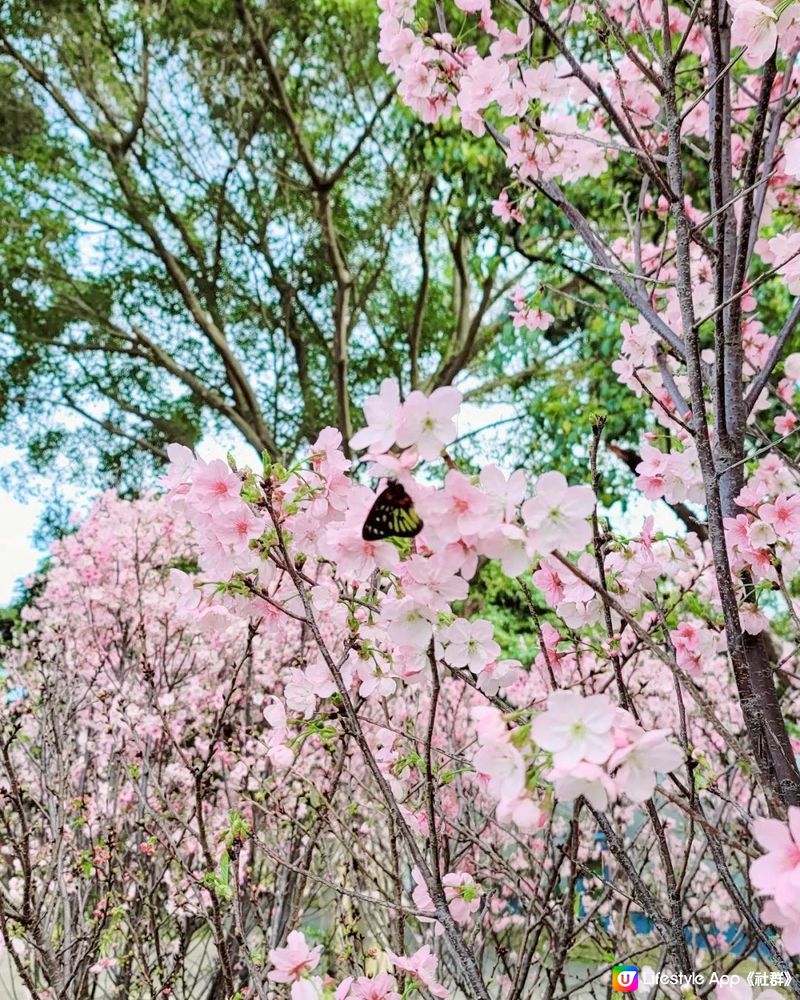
694, 645
398, 45
791, 365
557, 514
575, 728
463, 895
523, 812
215, 487
548, 580
374, 677
382, 987
640, 760
783, 515
407, 622
651, 472
470, 644
274, 713
509, 544
180, 468
503, 208
237, 527
755, 26
542, 82
529, 317
293, 961
343, 989
420, 966
502, 767
752, 620
787, 918
760, 534
382, 412
489, 723
583, 779
420, 894
752, 494
464, 506
482, 82
301, 692
103, 965
427, 421
433, 582
189, 596
505, 494
474, 122
499, 674
508, 42
307, 989
777, 873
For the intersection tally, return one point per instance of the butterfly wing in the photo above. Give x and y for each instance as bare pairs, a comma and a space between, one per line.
392, 516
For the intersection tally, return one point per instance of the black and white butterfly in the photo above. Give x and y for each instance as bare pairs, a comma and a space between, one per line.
392, 515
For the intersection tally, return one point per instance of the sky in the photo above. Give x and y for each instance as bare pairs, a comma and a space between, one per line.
18, 521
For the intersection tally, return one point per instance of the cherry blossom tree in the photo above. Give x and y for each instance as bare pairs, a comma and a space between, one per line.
663, 94
366, 797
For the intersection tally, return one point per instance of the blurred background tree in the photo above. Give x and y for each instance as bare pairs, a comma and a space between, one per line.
219, 219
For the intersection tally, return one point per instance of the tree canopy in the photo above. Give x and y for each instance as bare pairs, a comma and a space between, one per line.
218, 216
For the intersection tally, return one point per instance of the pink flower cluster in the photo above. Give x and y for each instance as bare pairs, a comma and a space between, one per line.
296, 962
595, 750
465, 519
777, 875
442, 76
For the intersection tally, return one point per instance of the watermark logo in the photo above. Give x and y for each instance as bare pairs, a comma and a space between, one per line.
625, 978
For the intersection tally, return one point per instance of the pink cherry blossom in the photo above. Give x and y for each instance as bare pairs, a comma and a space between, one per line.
481, 84
463, 895
508, 42
639, 762
787, 918
575, 728
470, 644
502, 767
783, 515
791, 364
420, 966
503, 208
291, 962
237, 527
433, 582
179, 470
557, 514
381, 987
548, 579
777, 873
215, 487
382, 412
499, 674
427, 421
463, 506
755, 26
307, 989
583, 779
528, 316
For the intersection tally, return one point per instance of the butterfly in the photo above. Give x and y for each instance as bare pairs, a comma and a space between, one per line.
392, 515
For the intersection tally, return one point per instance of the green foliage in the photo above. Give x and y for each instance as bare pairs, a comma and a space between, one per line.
168, 263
